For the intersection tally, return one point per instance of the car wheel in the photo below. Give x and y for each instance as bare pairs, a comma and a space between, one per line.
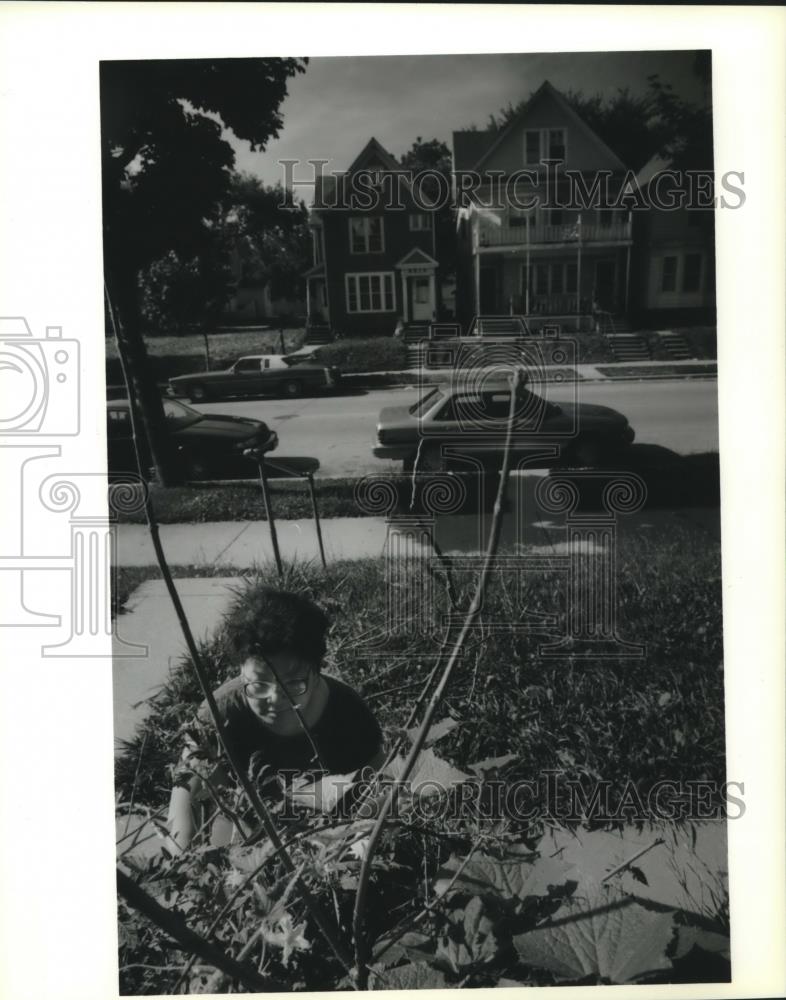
197, 393
194, 467
292, 388
587, 453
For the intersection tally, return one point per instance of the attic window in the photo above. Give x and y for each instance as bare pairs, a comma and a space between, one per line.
556, 143
544, 143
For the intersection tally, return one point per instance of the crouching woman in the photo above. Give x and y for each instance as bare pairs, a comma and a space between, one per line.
280, 710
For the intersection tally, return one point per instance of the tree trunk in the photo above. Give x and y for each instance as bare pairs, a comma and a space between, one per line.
156, 449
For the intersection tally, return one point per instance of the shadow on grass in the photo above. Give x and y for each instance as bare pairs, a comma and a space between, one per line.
670, 480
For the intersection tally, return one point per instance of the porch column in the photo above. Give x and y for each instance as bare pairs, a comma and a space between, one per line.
477, 283
528, 219
432, 293
308, 298
404, 296
578, 279
627, 277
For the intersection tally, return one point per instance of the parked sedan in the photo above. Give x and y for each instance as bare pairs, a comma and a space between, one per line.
210, 446
256, 375
474, 423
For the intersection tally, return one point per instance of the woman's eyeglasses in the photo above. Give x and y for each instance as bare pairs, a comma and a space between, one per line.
295, 688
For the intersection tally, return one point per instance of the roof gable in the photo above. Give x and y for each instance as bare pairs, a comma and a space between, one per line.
372, 155
547, 108
417, 258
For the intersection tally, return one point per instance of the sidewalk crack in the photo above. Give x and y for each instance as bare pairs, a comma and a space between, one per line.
230, 543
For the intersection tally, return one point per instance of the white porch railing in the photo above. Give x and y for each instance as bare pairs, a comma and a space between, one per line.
490, 235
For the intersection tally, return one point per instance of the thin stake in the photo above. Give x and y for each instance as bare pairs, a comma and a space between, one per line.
329, 931
317, 525
269, 514
619, 868
358, 928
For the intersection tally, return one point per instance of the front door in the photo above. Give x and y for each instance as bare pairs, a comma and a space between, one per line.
422, 308
318, 300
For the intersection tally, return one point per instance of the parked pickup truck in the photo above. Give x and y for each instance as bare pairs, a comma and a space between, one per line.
258, 375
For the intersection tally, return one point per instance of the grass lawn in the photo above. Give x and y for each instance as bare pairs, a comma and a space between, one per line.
660, 716
242, 501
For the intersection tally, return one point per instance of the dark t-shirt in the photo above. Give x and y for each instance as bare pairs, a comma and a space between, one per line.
346, 735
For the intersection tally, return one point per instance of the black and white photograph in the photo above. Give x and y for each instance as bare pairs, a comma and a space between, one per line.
414, 567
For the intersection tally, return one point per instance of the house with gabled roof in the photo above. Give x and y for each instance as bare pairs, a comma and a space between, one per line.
376, 250
673, 280
535, 235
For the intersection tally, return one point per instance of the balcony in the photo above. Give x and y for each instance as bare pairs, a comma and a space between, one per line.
538, 234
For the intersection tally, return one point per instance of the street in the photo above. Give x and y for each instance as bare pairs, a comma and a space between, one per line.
681, 415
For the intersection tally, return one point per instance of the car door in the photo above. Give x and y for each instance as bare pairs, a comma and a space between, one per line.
246, 376
476, 423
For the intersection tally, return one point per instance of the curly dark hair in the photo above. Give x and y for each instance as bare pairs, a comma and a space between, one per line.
270, 621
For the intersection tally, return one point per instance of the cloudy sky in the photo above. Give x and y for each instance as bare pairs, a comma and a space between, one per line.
340, 102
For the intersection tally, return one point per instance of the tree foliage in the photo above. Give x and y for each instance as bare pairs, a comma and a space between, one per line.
179, 296
166, 161
165, 168
270, 244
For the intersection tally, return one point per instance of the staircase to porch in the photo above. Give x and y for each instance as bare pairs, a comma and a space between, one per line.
318, 333
628, 347
675, 345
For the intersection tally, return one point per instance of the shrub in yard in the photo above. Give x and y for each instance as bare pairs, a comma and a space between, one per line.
372, 355
458, 897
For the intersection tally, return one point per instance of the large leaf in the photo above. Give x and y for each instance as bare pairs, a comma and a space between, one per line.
512, 878
689, 938
414, 946
324, 794
470, 941
607, 935
436, 732
248, 859
430, 775
415, 976
492, 765
686, 868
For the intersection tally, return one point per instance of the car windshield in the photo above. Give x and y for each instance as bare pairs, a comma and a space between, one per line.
299, 359
179, 415
424, 404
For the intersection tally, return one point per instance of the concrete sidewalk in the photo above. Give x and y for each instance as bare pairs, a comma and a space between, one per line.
582, 372
561, 373
247, 544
